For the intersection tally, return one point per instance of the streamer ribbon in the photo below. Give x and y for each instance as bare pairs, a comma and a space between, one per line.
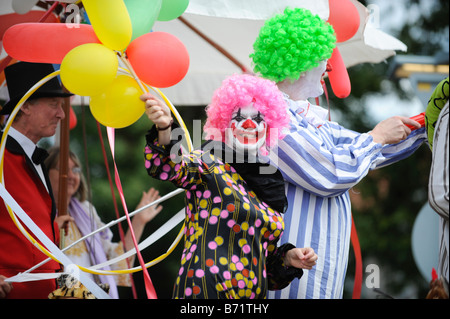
149, 288
81, 276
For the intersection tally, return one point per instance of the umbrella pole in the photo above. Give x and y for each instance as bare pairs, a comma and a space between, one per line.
63, 166
214, 44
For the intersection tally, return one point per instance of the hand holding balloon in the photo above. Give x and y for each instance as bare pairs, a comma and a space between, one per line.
159, 113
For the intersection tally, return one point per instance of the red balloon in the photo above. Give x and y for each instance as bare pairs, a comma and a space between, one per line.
339, 79
72, 119
45, 42
8, 20
344, 18
159, 59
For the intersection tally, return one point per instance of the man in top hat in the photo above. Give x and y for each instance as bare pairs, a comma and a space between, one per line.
26, 179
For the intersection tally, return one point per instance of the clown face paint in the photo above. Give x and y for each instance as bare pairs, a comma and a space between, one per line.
247, 130
309, 84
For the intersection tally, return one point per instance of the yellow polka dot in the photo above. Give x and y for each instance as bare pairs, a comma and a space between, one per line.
248, 293
227, 191
223, 261
244, 261
242, 242
239, 276
241, 293
219, 287
233, 266
246, 206
215, 211
203, 203
219, 240
244, 226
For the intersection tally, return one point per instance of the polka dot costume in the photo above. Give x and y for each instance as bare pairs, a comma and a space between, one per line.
230, 234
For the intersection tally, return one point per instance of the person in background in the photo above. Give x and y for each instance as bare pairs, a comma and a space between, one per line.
320, 159
26, 179
84, 219
437, 119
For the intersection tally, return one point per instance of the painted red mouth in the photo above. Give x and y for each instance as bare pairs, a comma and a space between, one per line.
247, 137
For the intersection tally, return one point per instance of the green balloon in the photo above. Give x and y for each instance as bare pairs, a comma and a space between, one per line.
143, 14
172, 9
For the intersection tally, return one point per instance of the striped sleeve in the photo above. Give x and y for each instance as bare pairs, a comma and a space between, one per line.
392, 153
326, 161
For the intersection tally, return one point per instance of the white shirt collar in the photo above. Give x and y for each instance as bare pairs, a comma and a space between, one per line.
27, 144
28, 147
314, 114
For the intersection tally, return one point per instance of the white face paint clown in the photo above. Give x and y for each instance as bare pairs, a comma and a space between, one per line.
309, 84
247, 130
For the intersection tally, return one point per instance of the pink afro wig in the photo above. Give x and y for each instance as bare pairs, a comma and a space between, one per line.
240, 90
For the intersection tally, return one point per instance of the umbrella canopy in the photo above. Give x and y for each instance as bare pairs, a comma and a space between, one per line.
234, 26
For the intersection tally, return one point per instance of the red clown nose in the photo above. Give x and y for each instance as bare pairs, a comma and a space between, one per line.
248, 124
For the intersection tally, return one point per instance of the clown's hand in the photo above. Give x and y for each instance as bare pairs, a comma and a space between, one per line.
304, 258
157, 111
393, 130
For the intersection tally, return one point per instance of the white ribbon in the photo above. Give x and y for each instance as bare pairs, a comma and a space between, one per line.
82, 277
164, 229
24, 277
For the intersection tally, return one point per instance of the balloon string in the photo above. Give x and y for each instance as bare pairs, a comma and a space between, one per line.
121, 232
150, 290
124, 59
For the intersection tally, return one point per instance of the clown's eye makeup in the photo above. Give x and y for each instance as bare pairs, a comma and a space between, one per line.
238, 118
258, 119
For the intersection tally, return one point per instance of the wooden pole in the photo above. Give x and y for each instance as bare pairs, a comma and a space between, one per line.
64, 164
214, 44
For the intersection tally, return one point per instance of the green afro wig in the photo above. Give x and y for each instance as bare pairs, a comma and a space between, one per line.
292, 43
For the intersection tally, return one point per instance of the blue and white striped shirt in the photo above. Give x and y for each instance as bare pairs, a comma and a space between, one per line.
320, 165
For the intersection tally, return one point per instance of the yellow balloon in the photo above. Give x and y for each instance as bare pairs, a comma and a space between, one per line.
119, 105
89, 68
111, 22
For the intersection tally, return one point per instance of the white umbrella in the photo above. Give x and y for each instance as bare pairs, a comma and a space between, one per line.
234, 26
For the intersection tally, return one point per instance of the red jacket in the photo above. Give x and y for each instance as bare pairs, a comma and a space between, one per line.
17, 253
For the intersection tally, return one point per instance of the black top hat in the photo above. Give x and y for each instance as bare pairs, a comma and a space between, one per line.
22, 76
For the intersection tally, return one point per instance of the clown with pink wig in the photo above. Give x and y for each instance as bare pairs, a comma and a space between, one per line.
234, 199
